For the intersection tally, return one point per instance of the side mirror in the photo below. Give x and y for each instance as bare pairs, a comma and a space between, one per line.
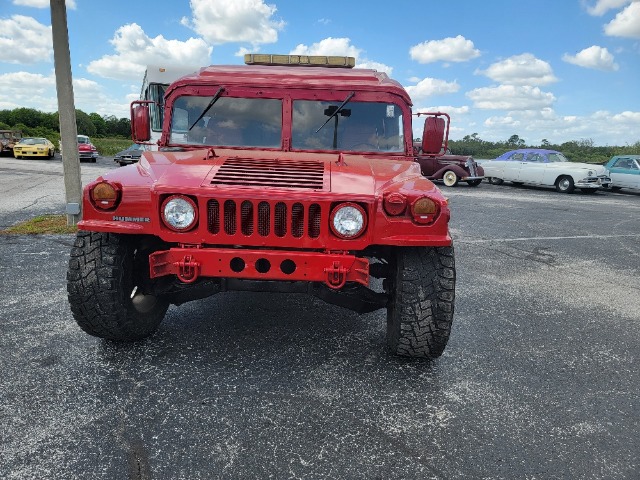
140, 121
435, 137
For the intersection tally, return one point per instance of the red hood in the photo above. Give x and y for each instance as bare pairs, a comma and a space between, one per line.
291, 172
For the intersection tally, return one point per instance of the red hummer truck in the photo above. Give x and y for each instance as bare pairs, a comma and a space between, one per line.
287, 174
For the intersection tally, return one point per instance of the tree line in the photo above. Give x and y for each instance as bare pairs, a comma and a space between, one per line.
576, 150
34, 123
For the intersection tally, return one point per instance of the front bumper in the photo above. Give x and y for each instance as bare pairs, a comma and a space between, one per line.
594, 182
471, 178
188, 264
89, 155
30, 153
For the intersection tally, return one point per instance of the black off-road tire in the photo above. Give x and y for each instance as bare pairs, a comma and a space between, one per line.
474, 183
106, 283
422, 295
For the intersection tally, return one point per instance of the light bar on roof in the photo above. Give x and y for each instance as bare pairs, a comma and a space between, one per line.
299, 60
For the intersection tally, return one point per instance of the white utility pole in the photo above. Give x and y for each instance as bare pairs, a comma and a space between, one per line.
66, 111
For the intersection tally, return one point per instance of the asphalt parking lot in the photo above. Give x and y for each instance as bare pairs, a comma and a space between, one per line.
540, 378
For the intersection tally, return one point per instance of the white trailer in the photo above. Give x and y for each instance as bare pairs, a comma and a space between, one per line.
156, 80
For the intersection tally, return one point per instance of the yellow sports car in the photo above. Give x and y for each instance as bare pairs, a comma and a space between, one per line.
33, 147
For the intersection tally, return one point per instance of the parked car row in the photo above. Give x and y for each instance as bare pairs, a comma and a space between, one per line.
550, 168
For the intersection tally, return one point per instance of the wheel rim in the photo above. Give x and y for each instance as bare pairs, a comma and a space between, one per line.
564, 184
450, 179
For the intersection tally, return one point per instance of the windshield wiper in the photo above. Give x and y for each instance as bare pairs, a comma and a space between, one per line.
337, 110
214, 99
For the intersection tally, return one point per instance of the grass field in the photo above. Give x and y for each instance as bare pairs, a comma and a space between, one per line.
108, 147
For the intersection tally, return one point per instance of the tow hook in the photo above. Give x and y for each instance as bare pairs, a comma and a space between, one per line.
188, 269
336, 275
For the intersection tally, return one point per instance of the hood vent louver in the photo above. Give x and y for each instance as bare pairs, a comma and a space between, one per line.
274, 173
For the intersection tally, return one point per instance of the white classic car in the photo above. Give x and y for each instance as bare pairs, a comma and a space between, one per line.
537, 166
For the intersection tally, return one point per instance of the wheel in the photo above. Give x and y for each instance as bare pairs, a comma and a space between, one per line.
450, 178
50, 155
18, 156
615, 189
421, 286
107, 279
495, 181
93, 160
123, 164
564, 184
474, 183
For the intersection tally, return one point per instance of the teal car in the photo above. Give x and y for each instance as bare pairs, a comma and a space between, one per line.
624, 172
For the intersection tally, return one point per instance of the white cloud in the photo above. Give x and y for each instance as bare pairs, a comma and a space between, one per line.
428, 87
603, 6
340, 47
71, 4
135, 50
24, 40
511, 97
524, 69
604, 128
328, 46
452, 111
450, 49
380, 67
595, 57
33, 90
626, 24
221, 21
20, 84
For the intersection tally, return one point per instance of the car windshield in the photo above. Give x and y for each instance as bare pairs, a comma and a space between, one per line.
32, 141
257, 122
557, 157
359, 126
232, 122
83, 140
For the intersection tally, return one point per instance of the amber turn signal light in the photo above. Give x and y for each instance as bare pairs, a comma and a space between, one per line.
424, 210
105, 196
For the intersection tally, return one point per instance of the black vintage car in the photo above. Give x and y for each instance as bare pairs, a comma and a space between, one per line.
131, 155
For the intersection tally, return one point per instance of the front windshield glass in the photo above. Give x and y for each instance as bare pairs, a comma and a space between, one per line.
557, 157
231, 122
358, 127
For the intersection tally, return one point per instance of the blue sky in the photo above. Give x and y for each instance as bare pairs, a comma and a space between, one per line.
558, 70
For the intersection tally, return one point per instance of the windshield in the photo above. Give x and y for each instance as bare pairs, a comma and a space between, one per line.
232, 122
358, 126
315, 124
32, 141
557, 157
83, 139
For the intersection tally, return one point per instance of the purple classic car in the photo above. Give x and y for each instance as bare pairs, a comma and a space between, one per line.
449, 168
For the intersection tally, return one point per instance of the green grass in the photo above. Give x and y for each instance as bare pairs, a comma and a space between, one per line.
107, 147
42, 224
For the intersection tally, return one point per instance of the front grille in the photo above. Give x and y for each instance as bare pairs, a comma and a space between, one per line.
472, 166
266, 173
263, 218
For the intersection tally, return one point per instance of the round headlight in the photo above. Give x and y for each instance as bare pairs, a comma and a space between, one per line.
179, 213
348, 220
